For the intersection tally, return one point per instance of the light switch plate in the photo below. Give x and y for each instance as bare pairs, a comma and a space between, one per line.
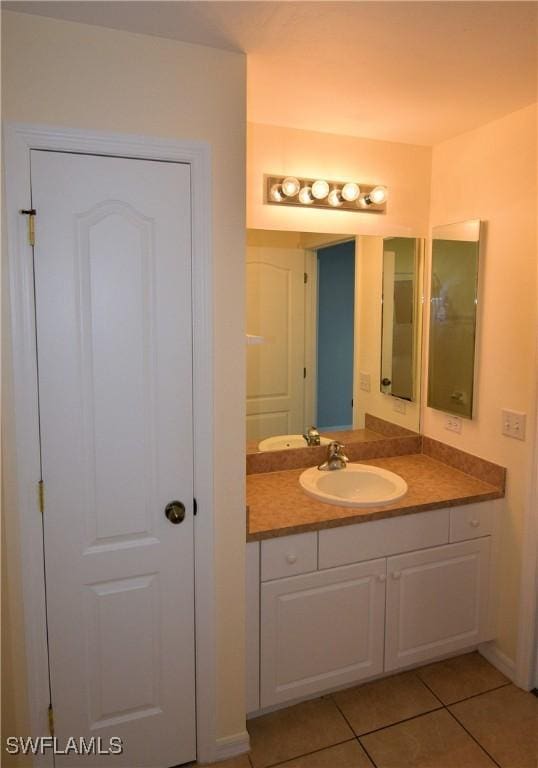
364, 381
514, 424
453, 423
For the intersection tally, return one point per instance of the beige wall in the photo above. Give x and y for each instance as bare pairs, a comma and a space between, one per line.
80, 76
403, 168
490, 173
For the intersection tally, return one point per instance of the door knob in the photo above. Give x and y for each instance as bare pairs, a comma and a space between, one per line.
175, 512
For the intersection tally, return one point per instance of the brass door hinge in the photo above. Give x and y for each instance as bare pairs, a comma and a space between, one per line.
41, 496
305, 278
51, 720
30, 213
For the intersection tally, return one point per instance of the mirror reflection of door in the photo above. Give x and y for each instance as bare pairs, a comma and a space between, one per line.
276, 313
335, 344
399, 309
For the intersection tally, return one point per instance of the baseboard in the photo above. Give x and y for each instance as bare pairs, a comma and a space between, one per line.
500, 660
231, 746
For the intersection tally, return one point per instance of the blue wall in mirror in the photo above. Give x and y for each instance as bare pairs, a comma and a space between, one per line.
336, 309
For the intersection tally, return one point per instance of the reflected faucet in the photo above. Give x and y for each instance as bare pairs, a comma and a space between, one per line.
336, 458
312, 436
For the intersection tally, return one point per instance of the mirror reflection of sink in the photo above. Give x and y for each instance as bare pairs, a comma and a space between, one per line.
281, 442
358, 485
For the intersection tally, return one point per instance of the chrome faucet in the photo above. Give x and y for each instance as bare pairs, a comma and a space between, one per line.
336, 458
312, 437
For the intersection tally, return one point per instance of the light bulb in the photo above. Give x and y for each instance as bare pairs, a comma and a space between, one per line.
276, 193
378, 195
334, 198
320, 189
305, 195
350, 191
290, 186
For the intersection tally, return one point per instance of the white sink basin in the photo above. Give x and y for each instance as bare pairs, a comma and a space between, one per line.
281, 442
358, 485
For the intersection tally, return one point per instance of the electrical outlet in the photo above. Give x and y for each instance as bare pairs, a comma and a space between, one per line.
398, 405
513, 424
364, 381
453, 423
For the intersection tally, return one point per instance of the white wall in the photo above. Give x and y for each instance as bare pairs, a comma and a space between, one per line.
75, 75
490, 174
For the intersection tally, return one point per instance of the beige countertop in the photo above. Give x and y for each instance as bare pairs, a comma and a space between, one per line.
277, 506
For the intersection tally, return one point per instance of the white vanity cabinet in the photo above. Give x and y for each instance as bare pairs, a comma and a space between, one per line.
342, 605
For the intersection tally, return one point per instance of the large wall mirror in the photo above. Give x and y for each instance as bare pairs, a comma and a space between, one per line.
454, 295
329, 318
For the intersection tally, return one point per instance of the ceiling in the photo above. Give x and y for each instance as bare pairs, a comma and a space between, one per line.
415, 72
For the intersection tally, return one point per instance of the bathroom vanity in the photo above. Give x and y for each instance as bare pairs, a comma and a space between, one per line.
338, 595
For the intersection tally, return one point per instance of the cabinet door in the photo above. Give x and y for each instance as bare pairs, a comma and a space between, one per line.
321, 630
436, 602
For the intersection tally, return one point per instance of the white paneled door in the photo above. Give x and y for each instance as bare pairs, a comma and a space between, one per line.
275, 368
114, 338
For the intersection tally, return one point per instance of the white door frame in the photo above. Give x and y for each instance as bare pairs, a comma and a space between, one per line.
19, 139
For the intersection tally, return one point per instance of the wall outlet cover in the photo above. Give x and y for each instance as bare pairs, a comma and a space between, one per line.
453, 423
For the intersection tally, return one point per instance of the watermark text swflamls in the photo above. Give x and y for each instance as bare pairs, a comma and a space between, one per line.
79, 745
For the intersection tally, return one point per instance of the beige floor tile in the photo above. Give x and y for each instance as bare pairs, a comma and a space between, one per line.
385, 702
505, 722
434, 740
234, 762
348, 755
455, 679
294, 731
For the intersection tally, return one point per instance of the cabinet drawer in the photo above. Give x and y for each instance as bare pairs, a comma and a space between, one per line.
379, 538
289, 556
472, 520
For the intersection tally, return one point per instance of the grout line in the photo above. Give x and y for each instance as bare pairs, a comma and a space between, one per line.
306, 754
442, 703
475, 695
473, 737
400, 722
368, 755
353, 731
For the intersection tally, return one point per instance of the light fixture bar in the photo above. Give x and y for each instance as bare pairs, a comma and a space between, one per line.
318, 192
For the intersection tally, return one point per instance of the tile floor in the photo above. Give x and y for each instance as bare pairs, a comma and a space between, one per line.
458, 713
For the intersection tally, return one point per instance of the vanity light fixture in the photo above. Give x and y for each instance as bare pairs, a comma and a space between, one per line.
290, 186
335, 198
305, 196
320, 189
376, 196
350, 191
323, 193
